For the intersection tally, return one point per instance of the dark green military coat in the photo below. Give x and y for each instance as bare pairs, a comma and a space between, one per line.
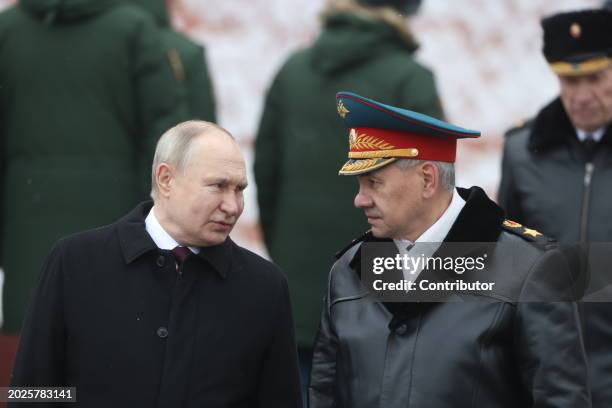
188, 63
306, 209
85, 92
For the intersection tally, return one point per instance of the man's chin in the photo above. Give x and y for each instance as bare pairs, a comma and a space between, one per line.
379, 233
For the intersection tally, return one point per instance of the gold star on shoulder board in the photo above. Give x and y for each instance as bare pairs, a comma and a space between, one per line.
531, 232
342, 111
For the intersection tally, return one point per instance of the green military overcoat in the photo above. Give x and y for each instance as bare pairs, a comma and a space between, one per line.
85, 92
188, 61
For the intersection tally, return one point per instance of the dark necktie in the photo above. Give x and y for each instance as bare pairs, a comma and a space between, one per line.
180, 254
589, 146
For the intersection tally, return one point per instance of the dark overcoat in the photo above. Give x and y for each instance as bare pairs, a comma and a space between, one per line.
549, 183
113, 317
489, 350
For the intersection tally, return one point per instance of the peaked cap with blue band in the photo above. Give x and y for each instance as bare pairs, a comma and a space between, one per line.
380, 134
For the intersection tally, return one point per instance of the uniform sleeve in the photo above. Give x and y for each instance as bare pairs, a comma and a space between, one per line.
268, 161
322, 389
200, 89
507, 197
279, 384
419, 93
549, 341
157, 94
41, 354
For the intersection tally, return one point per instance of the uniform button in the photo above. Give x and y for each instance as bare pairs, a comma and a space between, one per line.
401, 329
161, 261
162, 332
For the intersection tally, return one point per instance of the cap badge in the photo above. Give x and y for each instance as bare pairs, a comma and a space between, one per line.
342, 111
575, 30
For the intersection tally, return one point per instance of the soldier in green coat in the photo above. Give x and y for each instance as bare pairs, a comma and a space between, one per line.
188, 62
85, 92
304, 210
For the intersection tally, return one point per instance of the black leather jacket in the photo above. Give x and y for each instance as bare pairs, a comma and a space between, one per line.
497, 352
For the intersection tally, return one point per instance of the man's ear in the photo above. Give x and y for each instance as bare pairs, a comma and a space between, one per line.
164, 176
431, 179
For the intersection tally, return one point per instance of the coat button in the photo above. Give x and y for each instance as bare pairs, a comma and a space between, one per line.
162, 332
161, 261
401, 329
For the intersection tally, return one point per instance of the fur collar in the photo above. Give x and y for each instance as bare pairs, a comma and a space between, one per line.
552, 128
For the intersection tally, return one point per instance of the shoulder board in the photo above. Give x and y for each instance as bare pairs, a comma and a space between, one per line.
519, 127
526, 233
352, 244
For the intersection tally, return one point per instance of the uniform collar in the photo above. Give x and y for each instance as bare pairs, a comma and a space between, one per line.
136, 242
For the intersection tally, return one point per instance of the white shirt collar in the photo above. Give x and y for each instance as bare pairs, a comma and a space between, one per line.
597, 135
440, 229
162, 239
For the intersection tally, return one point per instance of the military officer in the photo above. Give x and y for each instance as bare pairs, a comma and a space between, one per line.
481, 347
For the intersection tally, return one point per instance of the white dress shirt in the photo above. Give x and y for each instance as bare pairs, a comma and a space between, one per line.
597, 135
162, 239
430, 240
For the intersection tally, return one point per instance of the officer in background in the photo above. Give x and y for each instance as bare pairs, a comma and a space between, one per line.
557, 170
188, 62
365, 45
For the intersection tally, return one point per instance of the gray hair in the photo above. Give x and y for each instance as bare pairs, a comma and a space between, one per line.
174, 146
446, 170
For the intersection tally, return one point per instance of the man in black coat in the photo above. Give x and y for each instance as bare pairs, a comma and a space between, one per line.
503, 333
161, 308
557, 169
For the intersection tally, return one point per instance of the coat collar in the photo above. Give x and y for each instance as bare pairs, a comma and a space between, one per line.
136, 242
552, 128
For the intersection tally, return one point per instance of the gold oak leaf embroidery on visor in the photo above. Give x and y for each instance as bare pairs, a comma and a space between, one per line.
365, 142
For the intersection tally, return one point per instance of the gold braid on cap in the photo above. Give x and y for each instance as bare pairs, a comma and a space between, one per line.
587, 67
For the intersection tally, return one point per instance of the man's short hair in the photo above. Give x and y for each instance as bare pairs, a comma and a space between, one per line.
174, 146
446, 170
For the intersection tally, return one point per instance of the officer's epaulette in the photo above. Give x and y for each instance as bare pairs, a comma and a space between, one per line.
518, 128
527, 234
352, 244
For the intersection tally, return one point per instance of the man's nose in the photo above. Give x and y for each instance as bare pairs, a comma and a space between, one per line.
362, 200
230, 204
583, 94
